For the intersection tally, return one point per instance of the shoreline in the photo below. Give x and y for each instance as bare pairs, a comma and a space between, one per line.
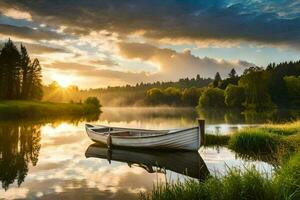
14, 109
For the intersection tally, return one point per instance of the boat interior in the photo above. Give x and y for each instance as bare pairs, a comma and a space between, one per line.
127, 132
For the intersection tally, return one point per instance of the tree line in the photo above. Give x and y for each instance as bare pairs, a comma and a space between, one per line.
173, 96
128, 95
20, 77
276, 86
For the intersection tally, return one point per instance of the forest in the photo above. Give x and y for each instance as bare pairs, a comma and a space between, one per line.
20, 77
276, 86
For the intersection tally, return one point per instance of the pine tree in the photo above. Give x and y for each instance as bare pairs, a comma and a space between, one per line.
10, 58
19, 77
217, 79
232, 74
35, 80
24, 63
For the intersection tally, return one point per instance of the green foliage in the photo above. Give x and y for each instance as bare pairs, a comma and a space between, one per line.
293, 87
93, 101
92, 105
277, 85
234, 96
155, 96
190, 96
255, 141
212, 98
255, 82
172, 96
20, 78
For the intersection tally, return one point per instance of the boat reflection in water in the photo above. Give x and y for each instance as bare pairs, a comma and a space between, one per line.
183, 162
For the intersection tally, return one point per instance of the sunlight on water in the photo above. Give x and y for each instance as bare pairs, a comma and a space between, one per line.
48, 160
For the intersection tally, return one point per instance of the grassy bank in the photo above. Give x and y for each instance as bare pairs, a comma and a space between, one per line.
281, 142
35, 109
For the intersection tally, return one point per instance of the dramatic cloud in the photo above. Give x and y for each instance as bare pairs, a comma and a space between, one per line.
270, 22
28, 33
174, 65
108, 41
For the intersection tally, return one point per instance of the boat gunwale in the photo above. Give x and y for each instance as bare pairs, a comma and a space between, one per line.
140, 137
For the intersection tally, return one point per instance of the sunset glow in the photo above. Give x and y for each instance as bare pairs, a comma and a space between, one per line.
63, 80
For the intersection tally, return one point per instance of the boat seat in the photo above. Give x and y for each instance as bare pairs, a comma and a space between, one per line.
120, 133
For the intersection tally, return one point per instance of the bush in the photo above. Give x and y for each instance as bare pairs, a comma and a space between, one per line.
293, 86
190, 96
212, 98
93, 101
234, 96
154, 96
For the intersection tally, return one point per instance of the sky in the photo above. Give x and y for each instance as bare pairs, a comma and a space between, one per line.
100, 43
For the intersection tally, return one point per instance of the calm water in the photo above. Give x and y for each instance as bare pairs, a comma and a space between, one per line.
54, 159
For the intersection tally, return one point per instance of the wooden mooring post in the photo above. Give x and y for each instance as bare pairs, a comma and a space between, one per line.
201, 123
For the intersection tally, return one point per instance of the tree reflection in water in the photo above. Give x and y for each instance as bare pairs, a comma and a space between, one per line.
19, 146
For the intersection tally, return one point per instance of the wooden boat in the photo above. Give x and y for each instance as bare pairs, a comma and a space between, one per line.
183, 162
180, 139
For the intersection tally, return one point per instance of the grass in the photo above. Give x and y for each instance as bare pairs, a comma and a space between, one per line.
35, 109
287, 180
282, 142
236, 184
256, 141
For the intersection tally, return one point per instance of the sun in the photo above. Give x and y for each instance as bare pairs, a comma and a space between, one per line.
63, 80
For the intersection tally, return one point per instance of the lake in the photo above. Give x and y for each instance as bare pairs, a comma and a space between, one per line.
54, 158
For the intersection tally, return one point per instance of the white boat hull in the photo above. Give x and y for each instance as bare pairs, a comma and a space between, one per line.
187, 139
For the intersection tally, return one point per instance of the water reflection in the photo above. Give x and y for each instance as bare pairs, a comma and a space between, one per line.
19, 146
186, 163
45, 158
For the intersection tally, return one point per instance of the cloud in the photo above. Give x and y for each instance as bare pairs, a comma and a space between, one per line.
42, 49
171, 66
37, 48
175, 65
25, 32
98, 76
16, 14
105, 62
269, 22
